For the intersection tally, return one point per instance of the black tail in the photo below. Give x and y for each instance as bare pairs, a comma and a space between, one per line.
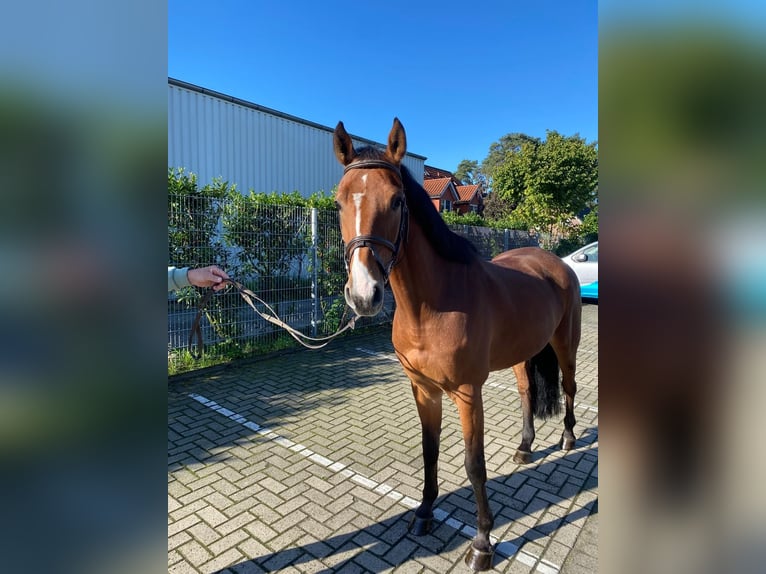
545, 391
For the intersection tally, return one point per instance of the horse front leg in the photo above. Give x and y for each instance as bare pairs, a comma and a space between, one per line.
471, 408
429, 403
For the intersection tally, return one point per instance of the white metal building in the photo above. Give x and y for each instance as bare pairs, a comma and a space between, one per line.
215, 135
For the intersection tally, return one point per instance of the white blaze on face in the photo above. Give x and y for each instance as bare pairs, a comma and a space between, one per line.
358, 204
363, 284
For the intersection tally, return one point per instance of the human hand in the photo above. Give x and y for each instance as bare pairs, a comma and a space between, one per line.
210, 276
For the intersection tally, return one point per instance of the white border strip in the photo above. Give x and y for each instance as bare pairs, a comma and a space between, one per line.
502, 547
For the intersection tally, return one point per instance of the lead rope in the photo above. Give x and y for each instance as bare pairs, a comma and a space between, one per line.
274, 319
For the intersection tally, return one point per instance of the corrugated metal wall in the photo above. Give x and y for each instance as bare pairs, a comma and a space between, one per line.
214, 135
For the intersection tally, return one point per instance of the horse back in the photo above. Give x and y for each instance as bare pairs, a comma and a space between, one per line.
537, 263
532, 292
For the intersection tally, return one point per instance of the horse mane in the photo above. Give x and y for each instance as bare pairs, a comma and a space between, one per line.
445, 242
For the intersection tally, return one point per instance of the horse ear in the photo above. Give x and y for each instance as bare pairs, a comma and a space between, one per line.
344, 147
397, 142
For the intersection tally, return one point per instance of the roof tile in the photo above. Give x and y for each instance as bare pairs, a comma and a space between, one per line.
435, 187
466, 192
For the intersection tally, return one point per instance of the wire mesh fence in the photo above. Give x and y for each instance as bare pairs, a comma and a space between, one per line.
292, 257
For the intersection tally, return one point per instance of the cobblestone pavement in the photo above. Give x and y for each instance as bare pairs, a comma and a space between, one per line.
311, 462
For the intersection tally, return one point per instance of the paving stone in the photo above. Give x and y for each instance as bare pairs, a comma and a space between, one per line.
228, 558
182, 525
203, 534
195, 553
239, 501
228, 541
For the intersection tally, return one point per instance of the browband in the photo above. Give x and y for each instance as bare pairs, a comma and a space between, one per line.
372, 163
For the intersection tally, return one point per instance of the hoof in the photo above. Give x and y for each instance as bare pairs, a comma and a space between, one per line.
420, 526
522, 457
567, 443
479, 560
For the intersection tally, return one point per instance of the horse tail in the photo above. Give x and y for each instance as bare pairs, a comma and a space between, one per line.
545, 391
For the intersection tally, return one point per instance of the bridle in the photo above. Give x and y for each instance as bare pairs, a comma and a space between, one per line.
370, 241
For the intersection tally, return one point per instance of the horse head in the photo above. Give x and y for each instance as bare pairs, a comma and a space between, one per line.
373, 215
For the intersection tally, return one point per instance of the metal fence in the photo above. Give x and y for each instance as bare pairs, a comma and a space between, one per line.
292, 257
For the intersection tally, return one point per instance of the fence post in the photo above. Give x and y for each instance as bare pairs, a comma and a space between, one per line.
314, 272
506, 239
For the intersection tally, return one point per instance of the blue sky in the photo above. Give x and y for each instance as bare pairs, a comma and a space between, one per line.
458, 75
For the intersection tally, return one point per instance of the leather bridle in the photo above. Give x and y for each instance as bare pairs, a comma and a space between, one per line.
370, 241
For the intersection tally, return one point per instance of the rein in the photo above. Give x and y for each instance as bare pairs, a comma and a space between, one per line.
370, 241
250, 297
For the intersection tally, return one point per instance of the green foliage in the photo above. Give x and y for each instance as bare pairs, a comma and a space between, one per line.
500, 150
588, 231
511, 221
331, 271
567, 245
193, 215
495, 208
322, 200
332, 311
181, 361
507, 221
193, 241
268, 236
550, 182
456, 218
261, 239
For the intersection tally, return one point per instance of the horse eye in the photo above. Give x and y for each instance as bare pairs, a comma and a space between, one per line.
337, 206
397, 203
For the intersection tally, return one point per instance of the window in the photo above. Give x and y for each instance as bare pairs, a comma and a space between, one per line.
592, 253
446, 205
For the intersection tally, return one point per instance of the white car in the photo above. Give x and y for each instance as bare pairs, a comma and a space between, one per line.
584, 261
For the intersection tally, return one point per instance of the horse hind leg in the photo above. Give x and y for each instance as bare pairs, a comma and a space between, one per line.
523, 453
566, 351
538, 382
570, 388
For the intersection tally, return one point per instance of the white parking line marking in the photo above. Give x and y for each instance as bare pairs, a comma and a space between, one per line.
503, 547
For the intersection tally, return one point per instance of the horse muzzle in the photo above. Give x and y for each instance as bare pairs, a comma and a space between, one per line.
364, 291
365, 306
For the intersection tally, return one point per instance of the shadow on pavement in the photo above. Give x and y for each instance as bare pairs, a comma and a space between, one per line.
379, 546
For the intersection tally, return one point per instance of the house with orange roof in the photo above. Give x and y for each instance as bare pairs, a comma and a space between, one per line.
469, 199
449, 194
443, 193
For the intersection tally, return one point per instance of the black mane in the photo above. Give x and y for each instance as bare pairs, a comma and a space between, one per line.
445, 242
369, 152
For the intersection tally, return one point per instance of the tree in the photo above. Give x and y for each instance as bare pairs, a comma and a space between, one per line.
499, 150
549, 182
468, 171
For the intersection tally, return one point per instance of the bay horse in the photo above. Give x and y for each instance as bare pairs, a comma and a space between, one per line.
457, 316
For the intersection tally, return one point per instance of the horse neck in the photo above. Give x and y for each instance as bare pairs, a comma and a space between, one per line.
421, 278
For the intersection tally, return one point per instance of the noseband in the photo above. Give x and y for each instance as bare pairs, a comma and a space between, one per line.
370, 241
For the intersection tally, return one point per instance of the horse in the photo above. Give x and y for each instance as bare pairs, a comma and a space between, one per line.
457, 316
